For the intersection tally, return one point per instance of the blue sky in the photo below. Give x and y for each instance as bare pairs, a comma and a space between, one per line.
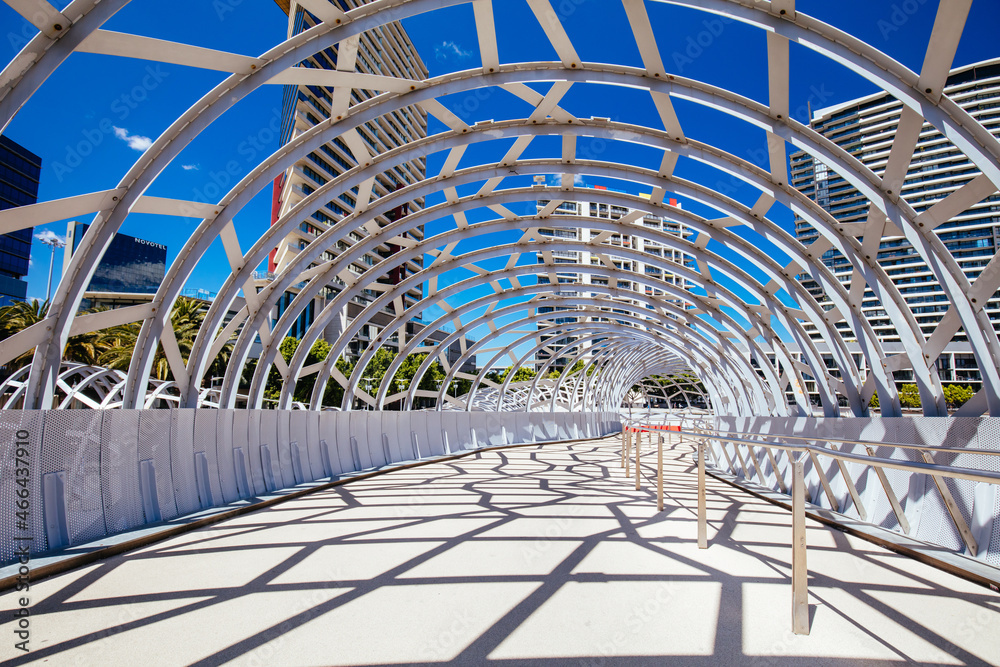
90, 128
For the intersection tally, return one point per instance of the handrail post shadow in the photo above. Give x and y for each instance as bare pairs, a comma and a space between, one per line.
800, 574
659, 475
702, 504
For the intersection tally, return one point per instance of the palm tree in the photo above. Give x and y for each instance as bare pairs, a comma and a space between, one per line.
16, 318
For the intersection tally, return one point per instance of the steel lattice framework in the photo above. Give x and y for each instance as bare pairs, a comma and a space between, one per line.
679, 332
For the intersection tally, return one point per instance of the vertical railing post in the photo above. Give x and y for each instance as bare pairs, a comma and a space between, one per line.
638, 450
702, 502
800, 574
659, 476
628, 454
624, 438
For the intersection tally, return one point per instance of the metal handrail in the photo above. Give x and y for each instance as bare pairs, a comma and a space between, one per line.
926, 468
869, 443
800, 616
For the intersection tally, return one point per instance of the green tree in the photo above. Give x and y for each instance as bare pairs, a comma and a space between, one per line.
956, 396
909, 396
873, 403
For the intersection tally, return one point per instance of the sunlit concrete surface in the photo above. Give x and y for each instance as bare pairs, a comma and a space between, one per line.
535, 555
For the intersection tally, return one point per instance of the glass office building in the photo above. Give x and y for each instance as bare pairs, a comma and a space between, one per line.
19, 172
130, 265
866, 128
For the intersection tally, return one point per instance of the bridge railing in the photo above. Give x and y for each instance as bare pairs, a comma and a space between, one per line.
835, 465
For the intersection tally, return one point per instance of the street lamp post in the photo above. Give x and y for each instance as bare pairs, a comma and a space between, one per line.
53, 242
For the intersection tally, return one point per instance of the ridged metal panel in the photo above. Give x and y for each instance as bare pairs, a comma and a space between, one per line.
206, 439
418, 425
281, 449
12, 421
376, 446
390, 427
225, 438
154, 445
71, 443
253, 454
492, 426
463, 431
328, 433
343, 440
478, 426
432, 427
523, 422
182, 461
312, 440
403, 436
449, 426
120, 470
298, 431
359, 431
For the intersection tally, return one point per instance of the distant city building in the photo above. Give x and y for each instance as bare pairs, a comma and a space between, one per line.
623, 240
131, 269
866, 128
19, 173
386, 49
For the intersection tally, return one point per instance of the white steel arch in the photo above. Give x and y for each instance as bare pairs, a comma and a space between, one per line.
78, 29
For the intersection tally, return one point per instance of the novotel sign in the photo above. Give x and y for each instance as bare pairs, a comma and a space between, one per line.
149, 243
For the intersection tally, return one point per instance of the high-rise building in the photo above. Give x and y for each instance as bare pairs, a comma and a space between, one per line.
130, 265
865, 128
19, 173
384, 50
622, 240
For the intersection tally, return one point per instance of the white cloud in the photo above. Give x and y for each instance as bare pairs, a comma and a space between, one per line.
189, 167
446, 50
134, 141
47, 236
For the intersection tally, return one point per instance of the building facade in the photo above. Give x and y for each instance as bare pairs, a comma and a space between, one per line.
385, 50
866, 128
19, 173
586, 257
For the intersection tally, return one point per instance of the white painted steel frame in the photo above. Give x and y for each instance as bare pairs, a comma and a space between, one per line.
920, 94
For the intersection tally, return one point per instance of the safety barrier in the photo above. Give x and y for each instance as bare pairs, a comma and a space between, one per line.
770, 460
86, 474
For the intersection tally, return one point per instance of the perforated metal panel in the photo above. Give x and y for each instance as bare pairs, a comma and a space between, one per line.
120, 470
154, 445
298, 431
328, 433
463, 432
253, 455
281, 450
432, 426
418, 429
449, 426
376, 447
206, 439
11, 422
343, 440
224, 444
312, 440
359, 431
71, 443
182, 461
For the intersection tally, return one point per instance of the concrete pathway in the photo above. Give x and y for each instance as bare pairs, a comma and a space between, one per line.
527, 556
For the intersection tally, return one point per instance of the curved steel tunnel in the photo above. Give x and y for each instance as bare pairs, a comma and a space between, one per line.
732, 328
